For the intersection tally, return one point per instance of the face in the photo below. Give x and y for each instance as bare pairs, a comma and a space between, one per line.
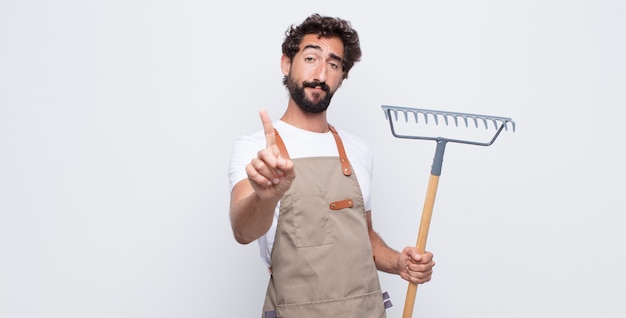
315, 73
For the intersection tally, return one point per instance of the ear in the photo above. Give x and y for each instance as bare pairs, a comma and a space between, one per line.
285, 64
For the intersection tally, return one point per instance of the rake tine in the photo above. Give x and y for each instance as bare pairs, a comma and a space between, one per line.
425, 117
415, 116
504, 123
465, 120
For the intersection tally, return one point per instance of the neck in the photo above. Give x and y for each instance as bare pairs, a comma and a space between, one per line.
303, 120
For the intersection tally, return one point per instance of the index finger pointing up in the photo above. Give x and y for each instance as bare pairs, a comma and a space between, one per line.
268, 128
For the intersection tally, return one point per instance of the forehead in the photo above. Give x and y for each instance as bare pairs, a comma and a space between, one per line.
331, 45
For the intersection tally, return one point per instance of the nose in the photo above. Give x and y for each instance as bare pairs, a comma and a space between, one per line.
320, 72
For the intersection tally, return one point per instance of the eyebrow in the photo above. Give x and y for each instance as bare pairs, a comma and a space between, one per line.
319, 48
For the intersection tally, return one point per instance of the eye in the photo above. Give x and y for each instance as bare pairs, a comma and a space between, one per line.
309, 59
334, 65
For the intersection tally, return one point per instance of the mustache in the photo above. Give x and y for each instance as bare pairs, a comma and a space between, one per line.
314, 84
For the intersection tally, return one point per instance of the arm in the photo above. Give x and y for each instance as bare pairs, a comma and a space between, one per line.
409, 264
250, 216
253, 200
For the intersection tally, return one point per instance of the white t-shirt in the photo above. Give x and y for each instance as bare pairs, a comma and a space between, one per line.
301, 144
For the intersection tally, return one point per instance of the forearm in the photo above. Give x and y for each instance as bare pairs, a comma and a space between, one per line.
250, 216
385, 258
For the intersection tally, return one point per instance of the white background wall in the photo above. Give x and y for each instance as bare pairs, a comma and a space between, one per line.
117, 119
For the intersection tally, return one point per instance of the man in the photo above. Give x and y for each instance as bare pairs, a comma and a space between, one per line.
300, 198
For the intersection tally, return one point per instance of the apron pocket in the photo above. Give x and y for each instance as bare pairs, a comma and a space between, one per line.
312, 222
369, 305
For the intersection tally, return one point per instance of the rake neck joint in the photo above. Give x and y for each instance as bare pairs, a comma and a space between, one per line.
438, 160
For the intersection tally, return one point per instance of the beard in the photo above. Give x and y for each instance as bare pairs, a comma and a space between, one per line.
298, 95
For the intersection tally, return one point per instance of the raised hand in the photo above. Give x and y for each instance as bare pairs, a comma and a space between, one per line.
270, 174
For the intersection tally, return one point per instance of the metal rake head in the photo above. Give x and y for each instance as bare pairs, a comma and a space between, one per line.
418, 115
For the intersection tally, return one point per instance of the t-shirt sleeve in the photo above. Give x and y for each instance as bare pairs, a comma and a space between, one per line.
244, 149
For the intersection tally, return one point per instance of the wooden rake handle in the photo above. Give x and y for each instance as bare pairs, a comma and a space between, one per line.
427, 213
421, 240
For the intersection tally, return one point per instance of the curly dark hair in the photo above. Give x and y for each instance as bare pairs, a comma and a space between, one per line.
325, 27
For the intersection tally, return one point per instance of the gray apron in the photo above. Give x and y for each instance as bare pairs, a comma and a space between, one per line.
322, 262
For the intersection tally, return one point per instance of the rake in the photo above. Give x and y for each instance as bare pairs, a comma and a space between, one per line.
424, 115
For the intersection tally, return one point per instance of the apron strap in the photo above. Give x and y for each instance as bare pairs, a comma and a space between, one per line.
343, 158
281, 145
345, 163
